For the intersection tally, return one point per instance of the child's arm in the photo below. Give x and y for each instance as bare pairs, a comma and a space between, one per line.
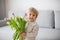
34, 32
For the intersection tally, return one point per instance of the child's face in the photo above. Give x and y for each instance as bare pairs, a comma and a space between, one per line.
31, 16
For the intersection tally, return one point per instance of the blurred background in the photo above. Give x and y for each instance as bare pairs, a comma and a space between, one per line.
17, 6
48, 18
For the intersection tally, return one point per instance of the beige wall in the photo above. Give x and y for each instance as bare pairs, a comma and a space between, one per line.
20, 5
40, 4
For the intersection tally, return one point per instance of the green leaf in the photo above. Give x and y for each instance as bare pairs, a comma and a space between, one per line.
18, 24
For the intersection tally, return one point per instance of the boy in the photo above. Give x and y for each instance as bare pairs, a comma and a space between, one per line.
32, 28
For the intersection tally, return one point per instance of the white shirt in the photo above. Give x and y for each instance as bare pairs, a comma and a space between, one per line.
31, 29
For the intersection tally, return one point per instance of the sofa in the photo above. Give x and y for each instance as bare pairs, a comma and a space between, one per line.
49, 26
2, 22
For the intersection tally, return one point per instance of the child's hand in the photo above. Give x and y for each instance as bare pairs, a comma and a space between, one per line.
23, 35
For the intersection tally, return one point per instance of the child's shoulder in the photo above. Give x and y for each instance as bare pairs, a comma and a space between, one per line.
35, 24
32, 23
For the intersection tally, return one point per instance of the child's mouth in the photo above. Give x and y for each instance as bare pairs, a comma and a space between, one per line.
31, 18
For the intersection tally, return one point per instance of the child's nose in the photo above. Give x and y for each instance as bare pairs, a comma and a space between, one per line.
31, 16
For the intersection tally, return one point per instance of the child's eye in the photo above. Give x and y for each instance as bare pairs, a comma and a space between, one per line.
30, 14
33, 15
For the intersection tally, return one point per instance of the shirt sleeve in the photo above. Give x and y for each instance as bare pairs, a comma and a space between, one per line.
34, 31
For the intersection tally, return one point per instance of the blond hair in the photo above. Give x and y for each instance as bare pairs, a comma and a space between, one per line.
32, 9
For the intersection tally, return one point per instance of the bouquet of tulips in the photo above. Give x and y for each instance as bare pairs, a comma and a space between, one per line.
18, 24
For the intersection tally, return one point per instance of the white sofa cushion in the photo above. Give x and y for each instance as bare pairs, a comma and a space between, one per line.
46, 18
48, 34
6, 33
57, 19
